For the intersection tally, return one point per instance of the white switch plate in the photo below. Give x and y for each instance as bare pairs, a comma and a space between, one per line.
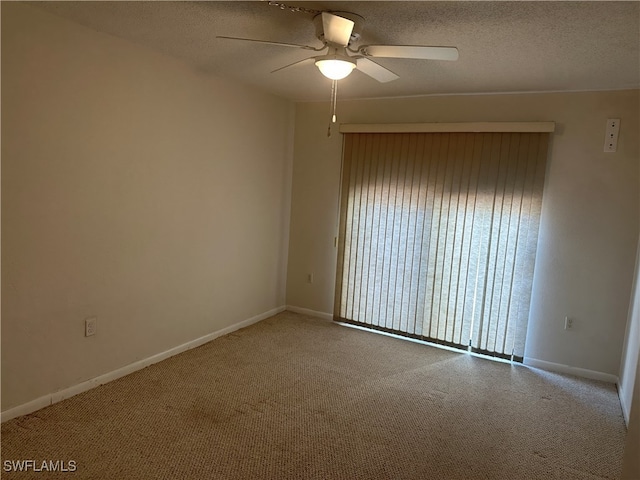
611, 135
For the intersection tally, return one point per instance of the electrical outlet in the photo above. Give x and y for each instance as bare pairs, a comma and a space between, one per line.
568, 323
310, 278
90, 325
611, 135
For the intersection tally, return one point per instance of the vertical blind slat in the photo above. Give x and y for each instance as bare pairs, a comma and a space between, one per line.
392, 243
372, 209
411, 215
436, 214
471, 234
418, 224
358, 220
453, 238
429, 259
402, 242
423, 247
341, 294
445, 235
365, 226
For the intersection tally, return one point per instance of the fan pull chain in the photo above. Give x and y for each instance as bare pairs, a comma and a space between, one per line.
334, 102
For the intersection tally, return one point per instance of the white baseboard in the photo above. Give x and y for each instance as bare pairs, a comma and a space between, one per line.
68, 392
312, 313
578, 372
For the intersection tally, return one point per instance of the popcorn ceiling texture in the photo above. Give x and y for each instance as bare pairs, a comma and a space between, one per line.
504, 46
294, 397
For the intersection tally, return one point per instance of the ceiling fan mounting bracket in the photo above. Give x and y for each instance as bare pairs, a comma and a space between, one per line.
354, 17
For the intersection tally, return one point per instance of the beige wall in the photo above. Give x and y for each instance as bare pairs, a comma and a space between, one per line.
133, 189
589, 225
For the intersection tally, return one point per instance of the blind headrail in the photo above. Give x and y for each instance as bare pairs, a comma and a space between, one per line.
493, 127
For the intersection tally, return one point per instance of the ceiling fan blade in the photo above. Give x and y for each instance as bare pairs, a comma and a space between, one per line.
375, 71
267, 42
337, 30
410, 51
304, 60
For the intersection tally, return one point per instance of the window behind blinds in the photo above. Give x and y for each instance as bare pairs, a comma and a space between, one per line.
438, 235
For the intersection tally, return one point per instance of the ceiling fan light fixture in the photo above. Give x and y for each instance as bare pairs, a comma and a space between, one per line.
335, 67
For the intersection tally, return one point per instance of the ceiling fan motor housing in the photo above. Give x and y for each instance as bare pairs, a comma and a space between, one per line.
355, 33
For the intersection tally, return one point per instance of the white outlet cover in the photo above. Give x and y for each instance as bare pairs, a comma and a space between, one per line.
90, 325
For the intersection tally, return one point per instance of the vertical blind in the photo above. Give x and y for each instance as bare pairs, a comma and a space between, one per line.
438, 234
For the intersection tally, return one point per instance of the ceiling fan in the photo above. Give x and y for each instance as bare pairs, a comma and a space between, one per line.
339, 32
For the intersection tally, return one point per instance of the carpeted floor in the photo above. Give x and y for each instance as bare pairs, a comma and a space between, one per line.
299, 398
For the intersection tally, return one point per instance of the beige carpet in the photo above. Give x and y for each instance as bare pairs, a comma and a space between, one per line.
299, 398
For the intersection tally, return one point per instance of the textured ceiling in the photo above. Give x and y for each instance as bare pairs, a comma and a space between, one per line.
504, 46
